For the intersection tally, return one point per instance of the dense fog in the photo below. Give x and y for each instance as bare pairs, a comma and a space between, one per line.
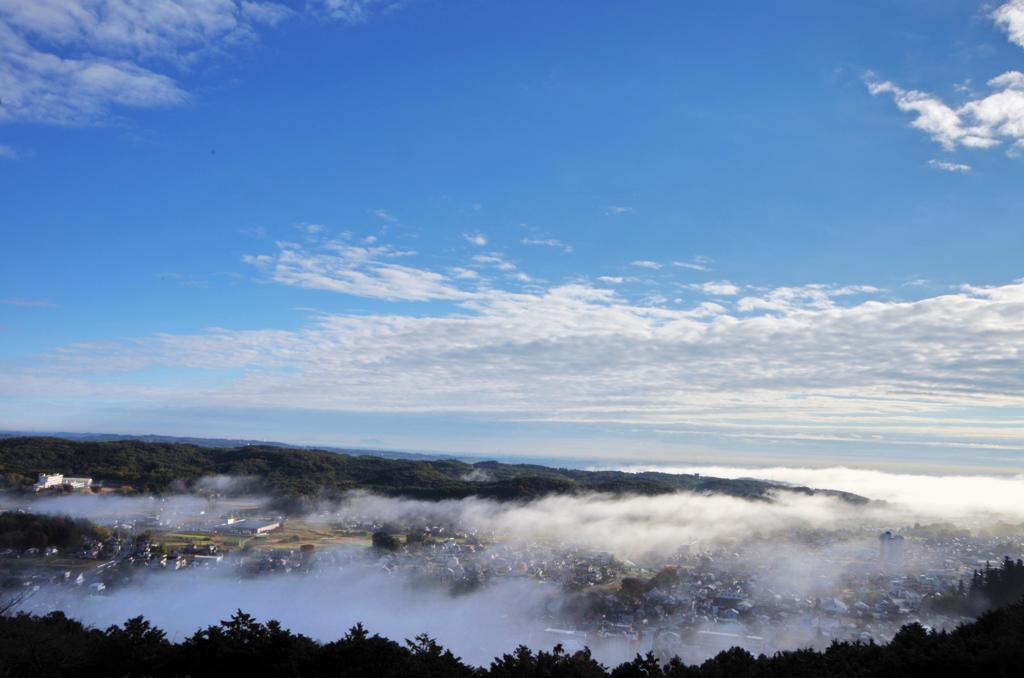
324, 606
801, 545
937, 496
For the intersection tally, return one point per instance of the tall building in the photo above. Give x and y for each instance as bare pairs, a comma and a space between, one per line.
890, 547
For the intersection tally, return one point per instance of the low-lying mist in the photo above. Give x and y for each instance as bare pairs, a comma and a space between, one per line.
325, 605
635, 527
798, 542
949, 497
629, 526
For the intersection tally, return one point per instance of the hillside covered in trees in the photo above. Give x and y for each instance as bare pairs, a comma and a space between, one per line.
27, 530
54, 645
988, 588
164, 467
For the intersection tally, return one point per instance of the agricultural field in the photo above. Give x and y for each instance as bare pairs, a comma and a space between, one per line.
291, 534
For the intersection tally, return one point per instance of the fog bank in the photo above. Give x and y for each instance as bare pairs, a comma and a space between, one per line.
948, 497
323, 605
630, 526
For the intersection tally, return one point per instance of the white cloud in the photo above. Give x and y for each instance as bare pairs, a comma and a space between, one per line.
698, 263
359, 271
949, 166
547, 242
1008, 80
43, 87
478, 239
1010, 18
612, 279
943, 124
257, 259
270, 13
981, 121
69, 62
645, 263
74, 62
496, 260
170, 30
384, 216
352, 11
811, 364
788, 299
718, 288
613, 210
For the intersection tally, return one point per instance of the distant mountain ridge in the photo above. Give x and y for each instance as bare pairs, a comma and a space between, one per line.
297, 472
226, 442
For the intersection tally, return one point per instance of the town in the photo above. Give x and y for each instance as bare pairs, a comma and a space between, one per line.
793, 590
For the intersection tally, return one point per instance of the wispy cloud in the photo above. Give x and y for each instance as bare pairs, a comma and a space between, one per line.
358, 271
352, 11
718, 288
786, 363
8, 152
496, 260
184, 280
615, 210
478, 239
76, 63
384, 216
547, 242
698, 263
946, 166
820, 297
310, 229
646, 263
26, 302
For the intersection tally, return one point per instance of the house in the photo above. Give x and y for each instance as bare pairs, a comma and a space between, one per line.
834, 606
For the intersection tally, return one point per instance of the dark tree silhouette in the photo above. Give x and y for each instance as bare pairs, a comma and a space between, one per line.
54, 645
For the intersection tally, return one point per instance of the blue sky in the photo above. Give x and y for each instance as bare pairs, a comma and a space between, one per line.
629, 230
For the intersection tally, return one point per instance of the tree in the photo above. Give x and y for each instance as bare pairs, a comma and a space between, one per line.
385, 541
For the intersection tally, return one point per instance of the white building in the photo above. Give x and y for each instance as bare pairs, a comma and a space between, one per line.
48, 480
890, 547
250, 527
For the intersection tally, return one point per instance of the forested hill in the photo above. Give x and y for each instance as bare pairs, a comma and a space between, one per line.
55, 646
163, 467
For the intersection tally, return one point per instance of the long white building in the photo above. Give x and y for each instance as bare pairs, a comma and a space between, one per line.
48, 480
